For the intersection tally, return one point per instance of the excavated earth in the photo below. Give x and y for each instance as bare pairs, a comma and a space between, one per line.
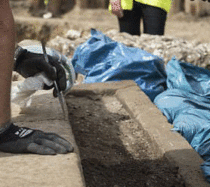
114, 150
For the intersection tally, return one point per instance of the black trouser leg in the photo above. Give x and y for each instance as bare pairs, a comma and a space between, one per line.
130, 22
154, 20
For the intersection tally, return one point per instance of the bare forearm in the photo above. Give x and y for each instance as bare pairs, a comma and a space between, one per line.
7, 45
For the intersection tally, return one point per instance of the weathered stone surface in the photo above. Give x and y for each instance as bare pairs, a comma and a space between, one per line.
23, 170
16, 76
165, 142
168, 143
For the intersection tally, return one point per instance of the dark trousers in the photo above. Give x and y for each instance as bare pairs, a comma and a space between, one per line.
153, 20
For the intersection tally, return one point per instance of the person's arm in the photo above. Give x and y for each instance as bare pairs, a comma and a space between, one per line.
7, 46
15, 139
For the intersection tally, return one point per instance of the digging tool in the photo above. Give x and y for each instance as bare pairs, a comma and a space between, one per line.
59, 93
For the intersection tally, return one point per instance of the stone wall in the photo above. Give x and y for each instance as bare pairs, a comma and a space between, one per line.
92, 3
195, 8
177, 6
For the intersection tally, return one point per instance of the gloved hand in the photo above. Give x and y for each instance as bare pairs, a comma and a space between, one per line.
29, 64
25, 140
116, 8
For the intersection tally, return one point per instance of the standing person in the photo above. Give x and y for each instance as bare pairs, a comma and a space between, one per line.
42, 7
14, 139
130, 12
51, 8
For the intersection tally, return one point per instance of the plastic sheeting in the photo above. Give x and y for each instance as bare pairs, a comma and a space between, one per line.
101, 59
186, 104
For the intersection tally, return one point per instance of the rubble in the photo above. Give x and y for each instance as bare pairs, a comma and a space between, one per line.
64, 45
73, 34
163, 46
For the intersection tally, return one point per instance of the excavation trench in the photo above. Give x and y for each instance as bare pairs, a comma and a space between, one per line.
114, 149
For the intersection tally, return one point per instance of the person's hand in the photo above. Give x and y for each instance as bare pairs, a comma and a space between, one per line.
24, 140
116, 8
29, 64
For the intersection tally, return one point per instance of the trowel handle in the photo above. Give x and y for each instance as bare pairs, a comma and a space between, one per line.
47, 60
45, 54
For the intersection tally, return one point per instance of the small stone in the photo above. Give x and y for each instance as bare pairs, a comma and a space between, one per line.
73, 34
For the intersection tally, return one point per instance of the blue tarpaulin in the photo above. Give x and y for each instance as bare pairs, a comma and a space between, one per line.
101, 59
181, 91
186, 104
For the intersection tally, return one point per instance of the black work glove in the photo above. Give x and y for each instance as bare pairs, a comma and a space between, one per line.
29, 64
24, 140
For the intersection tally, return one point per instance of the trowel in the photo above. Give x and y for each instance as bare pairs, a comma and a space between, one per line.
59, 93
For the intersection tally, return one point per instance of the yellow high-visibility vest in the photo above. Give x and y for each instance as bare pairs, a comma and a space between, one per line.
164, 4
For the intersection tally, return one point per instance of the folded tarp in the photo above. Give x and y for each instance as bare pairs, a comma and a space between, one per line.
186, 104
101, 59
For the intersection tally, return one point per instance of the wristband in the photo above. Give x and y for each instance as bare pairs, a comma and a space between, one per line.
13, 133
